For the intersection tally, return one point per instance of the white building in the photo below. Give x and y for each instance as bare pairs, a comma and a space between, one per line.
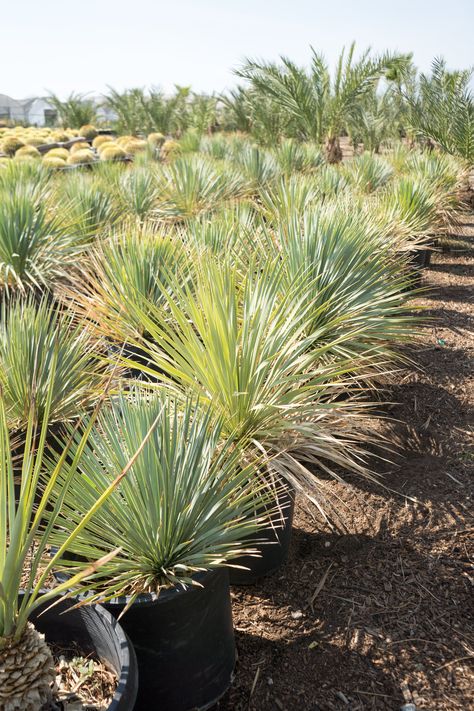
10, 110
37, 111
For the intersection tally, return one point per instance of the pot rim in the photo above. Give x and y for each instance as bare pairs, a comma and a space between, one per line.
128, 661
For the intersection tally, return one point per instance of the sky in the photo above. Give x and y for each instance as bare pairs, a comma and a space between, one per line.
85, 46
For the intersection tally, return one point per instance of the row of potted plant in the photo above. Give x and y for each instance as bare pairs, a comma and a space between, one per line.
165, 397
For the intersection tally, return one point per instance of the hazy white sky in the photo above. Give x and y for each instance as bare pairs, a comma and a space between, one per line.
84, 46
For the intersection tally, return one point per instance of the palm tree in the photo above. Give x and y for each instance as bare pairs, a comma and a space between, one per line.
75, 111
377, 121
142, 111
319, 108
247, 110
443, 110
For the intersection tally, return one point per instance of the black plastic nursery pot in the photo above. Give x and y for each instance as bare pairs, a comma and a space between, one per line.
140, 357
184, 641
91, 630
421, 258
274, 551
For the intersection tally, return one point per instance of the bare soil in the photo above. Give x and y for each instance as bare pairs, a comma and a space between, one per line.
392, 621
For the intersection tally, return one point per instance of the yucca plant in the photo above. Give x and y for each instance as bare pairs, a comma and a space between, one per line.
27, 670
190, 141
186, 505
242, 342
28, 178
87, 205
289, 196
216, 146
355, 282
225, 231
133, 264
399, 157
330, 182
32, 336
258, 166
440, 169
295, 157
138, 193
446, 177
35, 247
192, 184
408, 211
367, 173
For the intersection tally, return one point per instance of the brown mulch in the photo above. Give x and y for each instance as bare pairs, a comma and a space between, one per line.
392, 621
83, 684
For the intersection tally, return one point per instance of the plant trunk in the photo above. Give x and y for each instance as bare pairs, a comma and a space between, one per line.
333, 150
27, 673
274, 551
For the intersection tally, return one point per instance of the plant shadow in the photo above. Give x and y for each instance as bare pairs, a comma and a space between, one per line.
353, 621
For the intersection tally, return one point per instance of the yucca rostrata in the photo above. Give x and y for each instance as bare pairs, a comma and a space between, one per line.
26, 663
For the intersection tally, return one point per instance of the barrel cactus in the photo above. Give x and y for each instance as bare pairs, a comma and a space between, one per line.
112, 152
135, 146
79, 146
53, 161
11, 144
88, 131
60, 136
156, 139
100, 140
28, 151
61, 153
170, 148
81, 157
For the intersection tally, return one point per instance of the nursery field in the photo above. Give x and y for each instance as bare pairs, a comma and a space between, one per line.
392, 618
235, 381
190, 341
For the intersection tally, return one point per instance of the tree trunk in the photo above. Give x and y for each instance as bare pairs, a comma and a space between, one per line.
333, 150
27, 673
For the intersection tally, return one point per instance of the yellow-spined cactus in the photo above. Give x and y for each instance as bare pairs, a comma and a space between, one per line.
79, 146
88, 131
53, 161
35, 140
170, 148
112, 152
61, 153
156, 139
81, 157
105, 145
29, 151
135, 146
123, 140
11, 144
100, 140
61, 136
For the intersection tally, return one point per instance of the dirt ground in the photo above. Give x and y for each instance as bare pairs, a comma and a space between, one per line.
392, 621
